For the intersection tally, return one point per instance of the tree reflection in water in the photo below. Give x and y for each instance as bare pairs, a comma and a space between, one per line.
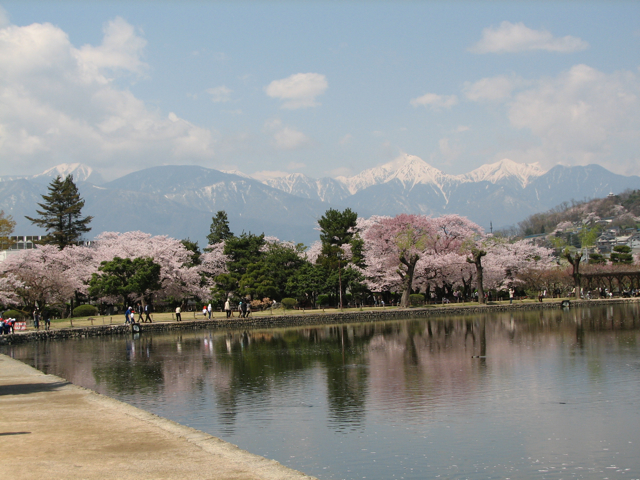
302, 393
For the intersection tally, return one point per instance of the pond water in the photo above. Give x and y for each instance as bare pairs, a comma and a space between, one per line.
529, 395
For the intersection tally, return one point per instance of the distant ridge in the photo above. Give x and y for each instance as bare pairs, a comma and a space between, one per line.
180, 201
80, 172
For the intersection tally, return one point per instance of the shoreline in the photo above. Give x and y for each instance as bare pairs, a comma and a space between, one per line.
309, 318
60, 430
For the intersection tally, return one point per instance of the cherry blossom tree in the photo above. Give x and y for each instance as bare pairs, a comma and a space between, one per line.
177, 278
507, 262
40, 275
9, 286
395, 245
214, 262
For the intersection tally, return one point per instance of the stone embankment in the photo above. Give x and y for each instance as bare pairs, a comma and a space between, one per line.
311, 317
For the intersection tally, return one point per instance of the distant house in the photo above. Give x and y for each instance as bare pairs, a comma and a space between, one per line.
634, 241
606, 242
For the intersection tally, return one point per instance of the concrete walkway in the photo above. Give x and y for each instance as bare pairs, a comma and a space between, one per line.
52, 429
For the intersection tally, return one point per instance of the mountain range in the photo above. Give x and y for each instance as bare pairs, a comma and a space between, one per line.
180, 201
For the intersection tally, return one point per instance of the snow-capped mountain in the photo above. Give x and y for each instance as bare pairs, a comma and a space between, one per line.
505, 171
80, 172
181, 200
324, 189
409, 170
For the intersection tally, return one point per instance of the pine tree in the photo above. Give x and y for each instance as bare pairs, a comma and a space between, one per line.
61, 214
219, 230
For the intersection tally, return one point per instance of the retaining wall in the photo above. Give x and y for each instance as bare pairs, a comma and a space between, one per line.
313, 317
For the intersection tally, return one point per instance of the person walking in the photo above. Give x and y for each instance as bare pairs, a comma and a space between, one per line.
244, 310
36, 319
178, 315
240, 309
511, 292
209, 310
147, 311
127, 315
140, 311
227, 308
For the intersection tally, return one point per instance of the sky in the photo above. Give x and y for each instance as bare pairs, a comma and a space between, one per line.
324, 88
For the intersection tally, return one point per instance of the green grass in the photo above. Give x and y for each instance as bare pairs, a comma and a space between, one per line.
118, 319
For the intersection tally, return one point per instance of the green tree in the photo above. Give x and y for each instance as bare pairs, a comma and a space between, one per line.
219, 230
242, 251
125, 277
279, 263
589, 235
61, 214
597, 259
195, 252
307, 282
621, 255
7, 224
337, 228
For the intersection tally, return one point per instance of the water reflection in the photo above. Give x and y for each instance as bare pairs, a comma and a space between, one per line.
520, 394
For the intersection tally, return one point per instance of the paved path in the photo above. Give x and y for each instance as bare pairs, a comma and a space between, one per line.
51, 429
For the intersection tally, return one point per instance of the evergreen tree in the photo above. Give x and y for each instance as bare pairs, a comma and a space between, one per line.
597, 259
61, 214
336, 227
243, 253
621, 254
219, 230
195, 252
125, 277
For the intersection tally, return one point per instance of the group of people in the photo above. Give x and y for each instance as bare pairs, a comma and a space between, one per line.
7, 325
144, 314
244, 309
206, 310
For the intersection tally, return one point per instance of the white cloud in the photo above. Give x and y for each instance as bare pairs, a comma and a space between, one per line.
61, 104
436, 102
220, 94
491, 89
299, 90
121, 49
4, 18
582, 116
283, 137
289, 139
516, 37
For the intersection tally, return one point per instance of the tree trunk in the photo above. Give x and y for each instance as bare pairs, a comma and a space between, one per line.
476, 259
407, 281
574, 260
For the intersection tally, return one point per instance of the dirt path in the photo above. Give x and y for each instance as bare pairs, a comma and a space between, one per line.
55, 430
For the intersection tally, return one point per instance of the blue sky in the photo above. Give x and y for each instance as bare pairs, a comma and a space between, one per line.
321, 88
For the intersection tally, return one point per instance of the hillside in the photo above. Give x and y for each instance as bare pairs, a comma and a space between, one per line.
621, 210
